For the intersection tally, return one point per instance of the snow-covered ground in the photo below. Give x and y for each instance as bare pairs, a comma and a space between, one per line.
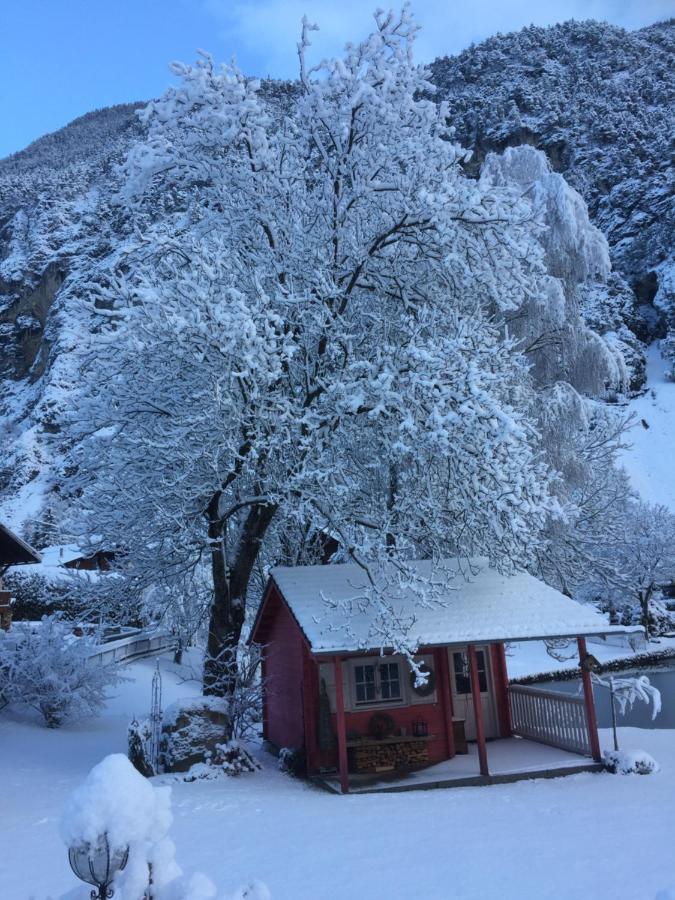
650, 462
588, 835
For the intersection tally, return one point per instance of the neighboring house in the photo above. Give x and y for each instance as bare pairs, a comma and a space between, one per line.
53, 583
329, 694
13, 552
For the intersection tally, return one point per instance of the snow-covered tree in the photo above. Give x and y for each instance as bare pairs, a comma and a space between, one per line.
573, 367
646, 557
307, 340
44, 665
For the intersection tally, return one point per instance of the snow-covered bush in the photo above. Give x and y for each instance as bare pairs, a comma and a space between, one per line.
292, 761
240, 668
44, 665
629, 762
36, 596
139, 737
231, 758
628, 691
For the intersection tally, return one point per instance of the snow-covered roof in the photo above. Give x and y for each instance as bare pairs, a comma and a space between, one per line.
480, 605
52, 565
60, 554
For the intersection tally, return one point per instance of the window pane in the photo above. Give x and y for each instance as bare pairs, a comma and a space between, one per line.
364, 678
390, 684
462, 672
482, 671
460, 662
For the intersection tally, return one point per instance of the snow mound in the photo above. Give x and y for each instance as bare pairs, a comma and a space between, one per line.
116, 800
629, 762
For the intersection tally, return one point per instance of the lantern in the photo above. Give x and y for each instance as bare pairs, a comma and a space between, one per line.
420, 728
98, 864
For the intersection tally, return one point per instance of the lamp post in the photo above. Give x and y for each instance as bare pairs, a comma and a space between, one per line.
97, 864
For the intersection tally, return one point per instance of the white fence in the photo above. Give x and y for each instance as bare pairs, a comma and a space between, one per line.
143, 643
550, 718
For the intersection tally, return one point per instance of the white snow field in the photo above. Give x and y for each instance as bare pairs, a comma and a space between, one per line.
603, 836
650, 461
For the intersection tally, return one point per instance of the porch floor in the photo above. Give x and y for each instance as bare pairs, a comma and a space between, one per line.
509, 759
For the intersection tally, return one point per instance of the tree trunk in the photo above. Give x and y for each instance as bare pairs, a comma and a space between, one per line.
645, 596
229, 597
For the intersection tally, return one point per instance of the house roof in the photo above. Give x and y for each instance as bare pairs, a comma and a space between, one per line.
61, 554
479, 605
14, 551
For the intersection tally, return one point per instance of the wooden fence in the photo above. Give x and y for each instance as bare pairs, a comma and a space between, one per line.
550, 718
135, 646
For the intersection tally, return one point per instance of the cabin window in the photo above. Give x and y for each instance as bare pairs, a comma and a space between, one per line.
460, 661
377, 683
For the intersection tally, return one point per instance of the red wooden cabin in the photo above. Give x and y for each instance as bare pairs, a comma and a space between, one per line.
327, 687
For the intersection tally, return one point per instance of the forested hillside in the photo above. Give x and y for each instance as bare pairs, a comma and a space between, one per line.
600, 102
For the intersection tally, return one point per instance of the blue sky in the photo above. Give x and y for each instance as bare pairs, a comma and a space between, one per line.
62, 58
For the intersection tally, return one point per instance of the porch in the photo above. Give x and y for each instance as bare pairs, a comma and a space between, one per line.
552, 723
511, 759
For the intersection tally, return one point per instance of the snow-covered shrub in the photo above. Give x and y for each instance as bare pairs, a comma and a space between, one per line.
629, 690
292, 761
44, 665
239, 670
231, 758
629, 762
139, 735
35, 596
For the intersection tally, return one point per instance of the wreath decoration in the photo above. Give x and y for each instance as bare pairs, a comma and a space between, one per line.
381, 725
426, 689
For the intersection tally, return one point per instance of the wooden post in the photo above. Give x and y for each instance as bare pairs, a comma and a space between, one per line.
589, 702
478, 711
443, 687
341, 727
502, 690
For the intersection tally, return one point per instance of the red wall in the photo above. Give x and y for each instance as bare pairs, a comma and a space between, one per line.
283, 680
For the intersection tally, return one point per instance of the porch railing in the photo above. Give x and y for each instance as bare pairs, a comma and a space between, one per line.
550, 718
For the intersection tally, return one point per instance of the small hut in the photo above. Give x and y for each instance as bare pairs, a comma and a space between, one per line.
359, 717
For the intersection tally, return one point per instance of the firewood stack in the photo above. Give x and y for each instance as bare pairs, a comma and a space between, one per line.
373, 757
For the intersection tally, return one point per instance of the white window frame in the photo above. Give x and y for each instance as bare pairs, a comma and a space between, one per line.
376, 661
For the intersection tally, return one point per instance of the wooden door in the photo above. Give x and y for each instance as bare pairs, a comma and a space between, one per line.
462, 703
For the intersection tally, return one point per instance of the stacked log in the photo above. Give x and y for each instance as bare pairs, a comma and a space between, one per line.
385, 757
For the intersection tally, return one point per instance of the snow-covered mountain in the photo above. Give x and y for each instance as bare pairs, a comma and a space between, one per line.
600, 101
596, 98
